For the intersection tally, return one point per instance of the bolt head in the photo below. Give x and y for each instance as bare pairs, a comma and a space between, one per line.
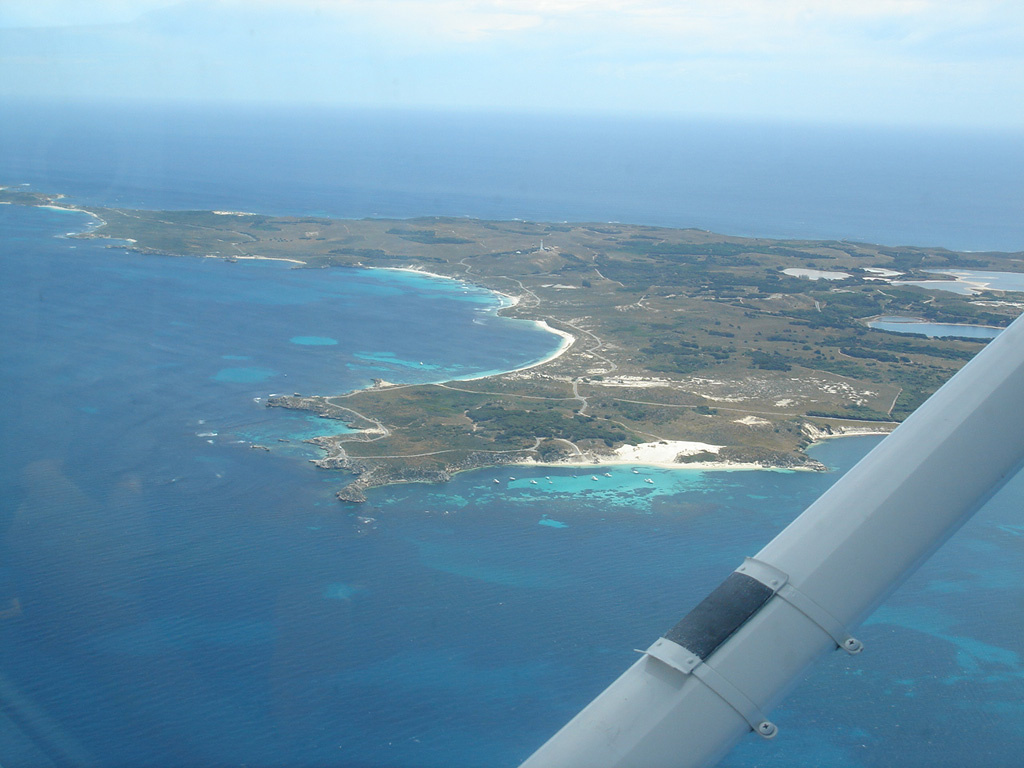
767, 729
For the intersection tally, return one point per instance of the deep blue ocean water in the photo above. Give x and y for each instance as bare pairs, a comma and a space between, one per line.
956, 188
187, 600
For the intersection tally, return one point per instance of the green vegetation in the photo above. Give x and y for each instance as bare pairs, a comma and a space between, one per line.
679, 334
513, 423
427, 236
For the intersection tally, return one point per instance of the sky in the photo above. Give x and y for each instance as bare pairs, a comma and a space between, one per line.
904, 62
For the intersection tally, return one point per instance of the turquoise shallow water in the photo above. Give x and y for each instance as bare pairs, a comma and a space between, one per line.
314, 341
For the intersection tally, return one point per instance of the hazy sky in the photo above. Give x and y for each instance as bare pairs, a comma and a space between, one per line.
904, 61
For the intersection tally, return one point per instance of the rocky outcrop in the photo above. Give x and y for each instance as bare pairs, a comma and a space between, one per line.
741, 454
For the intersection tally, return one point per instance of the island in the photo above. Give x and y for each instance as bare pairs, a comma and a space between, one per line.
680, 346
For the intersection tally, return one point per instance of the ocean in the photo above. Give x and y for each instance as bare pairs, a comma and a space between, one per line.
955, 188
186, 599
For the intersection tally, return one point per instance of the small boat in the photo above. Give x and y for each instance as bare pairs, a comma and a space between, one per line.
533, 482
648, 480
607, 474
636, 471
593, 477
497, 480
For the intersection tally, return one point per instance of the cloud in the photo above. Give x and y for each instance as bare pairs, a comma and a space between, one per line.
74, 13
721, 25
870, 59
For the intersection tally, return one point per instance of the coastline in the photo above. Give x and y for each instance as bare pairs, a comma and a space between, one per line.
660, 455
256, 258
510, 301
567, 341
644, 455
100, 221
579, 420
664, 454
817, 435
674, 455
705, 466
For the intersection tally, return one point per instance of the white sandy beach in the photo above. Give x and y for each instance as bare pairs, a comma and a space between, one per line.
661, 454
73, 209
62, 208
251, 258
269, 258
512, 300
